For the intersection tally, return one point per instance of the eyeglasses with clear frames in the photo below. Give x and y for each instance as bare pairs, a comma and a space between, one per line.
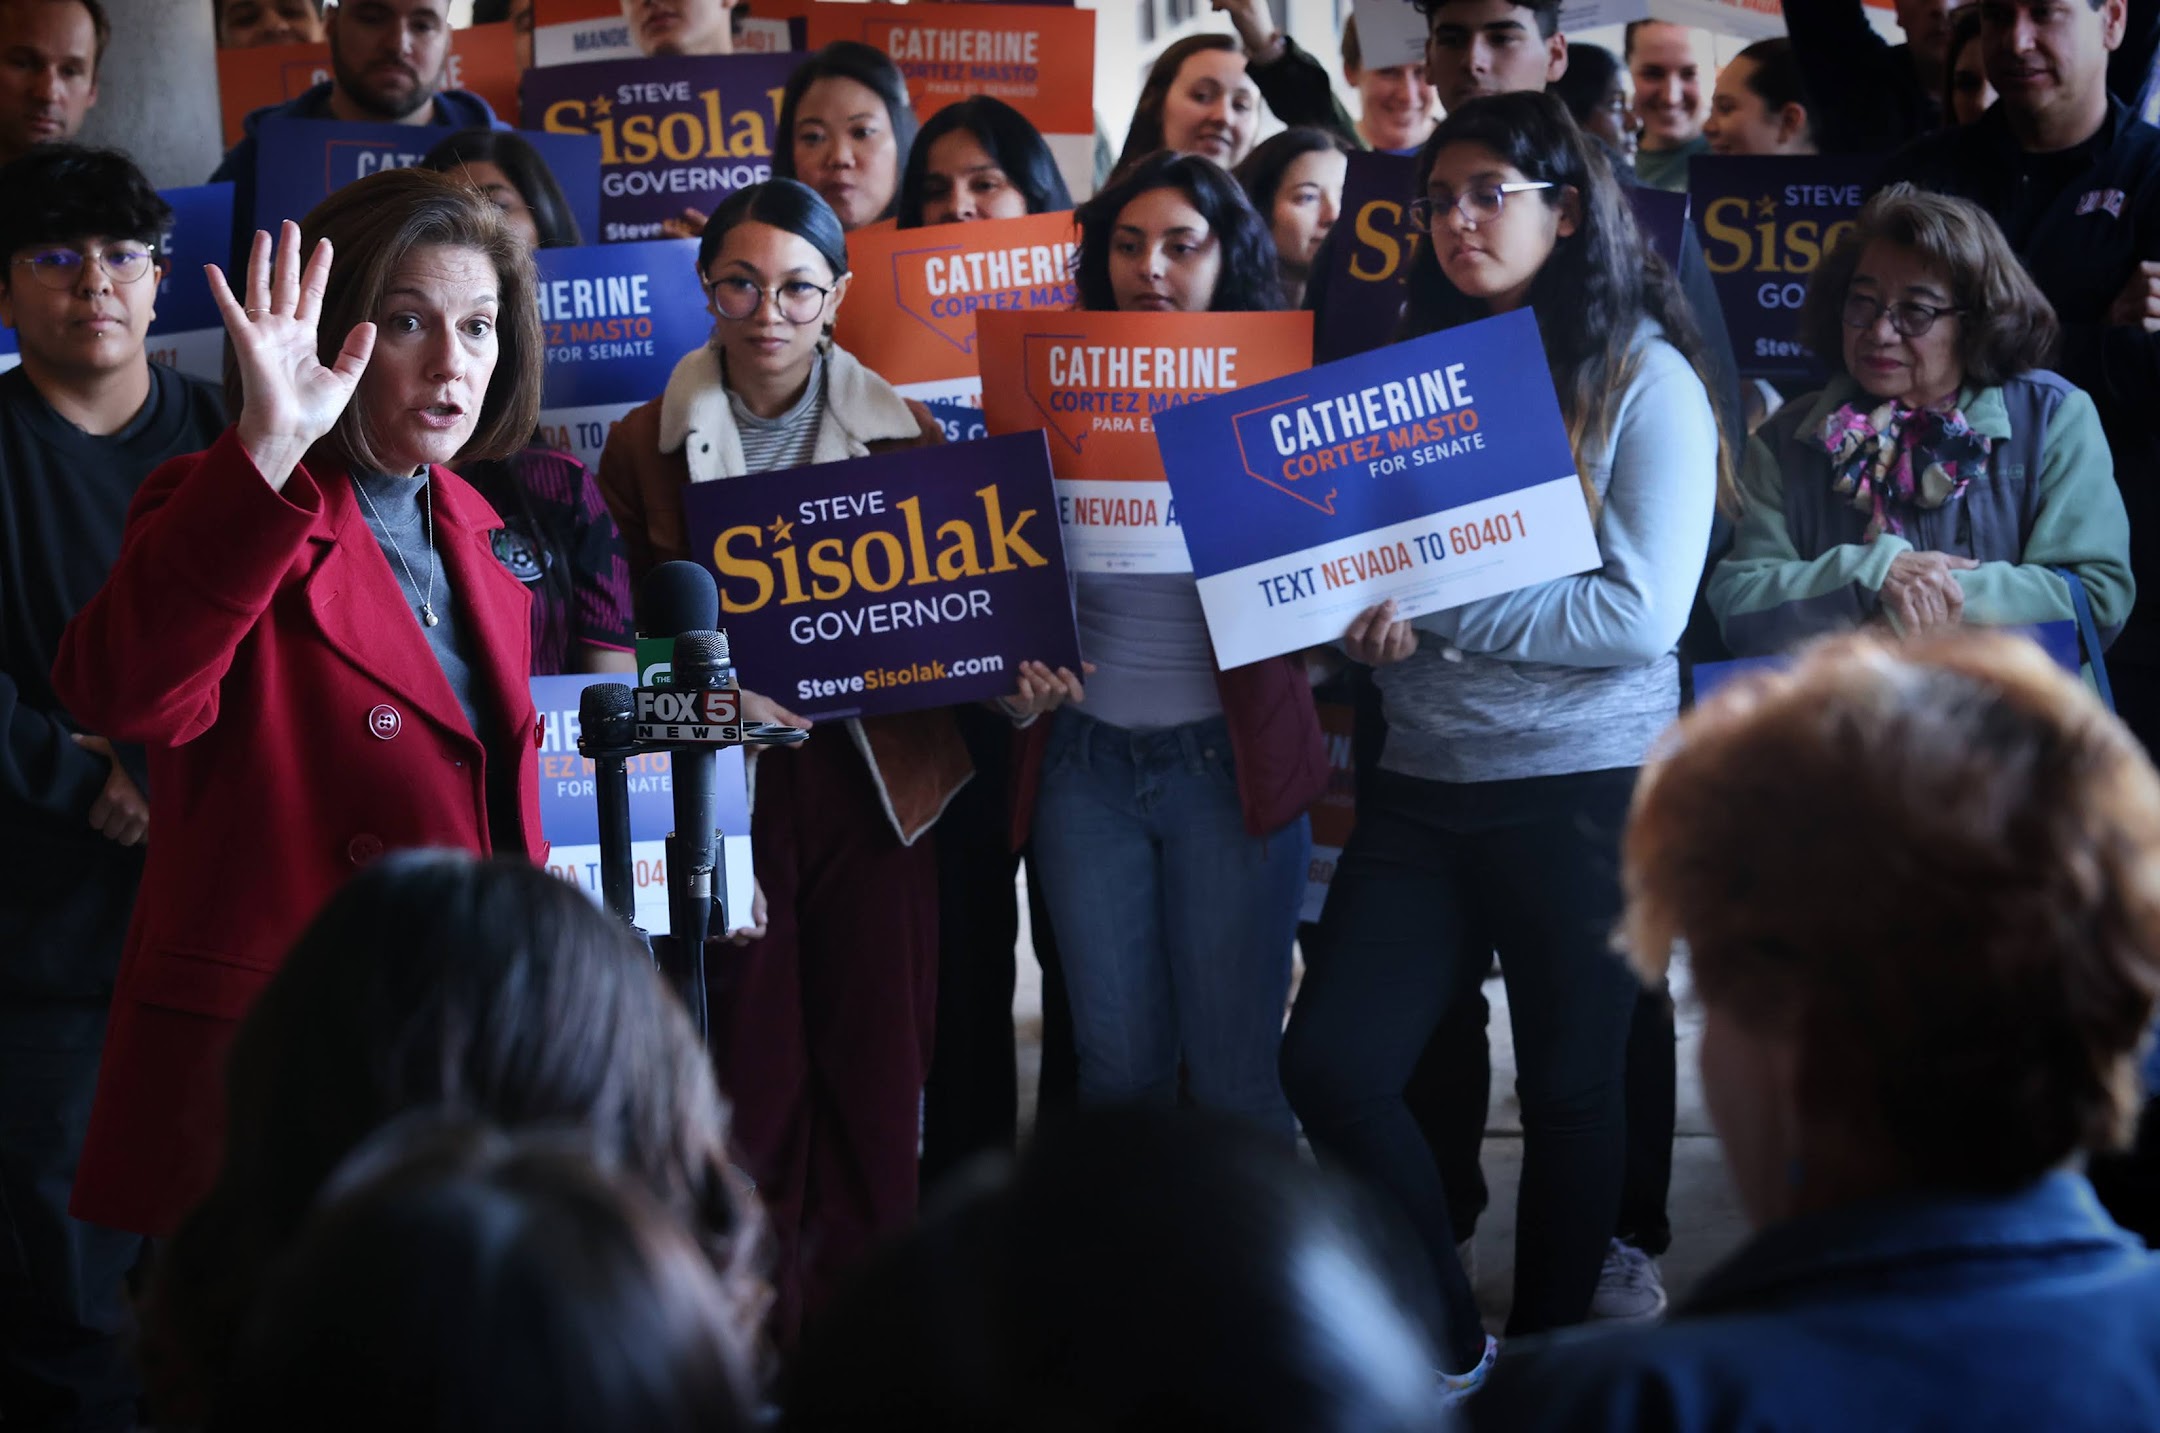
1909, 320
1480, 204
62, 268
798, 300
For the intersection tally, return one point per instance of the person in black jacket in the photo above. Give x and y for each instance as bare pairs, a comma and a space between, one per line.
83, 421
2074, 179
1870, 96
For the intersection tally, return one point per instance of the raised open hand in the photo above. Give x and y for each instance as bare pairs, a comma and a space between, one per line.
288, 399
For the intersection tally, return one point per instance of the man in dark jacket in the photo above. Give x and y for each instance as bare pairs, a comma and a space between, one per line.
1869, 96
82, 423
388, 60
2074, 180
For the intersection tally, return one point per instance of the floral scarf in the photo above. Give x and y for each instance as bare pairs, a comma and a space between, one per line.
1891, 461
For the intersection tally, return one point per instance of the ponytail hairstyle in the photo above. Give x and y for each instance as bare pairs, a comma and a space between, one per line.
1249, 281
1775, 80
1594, 290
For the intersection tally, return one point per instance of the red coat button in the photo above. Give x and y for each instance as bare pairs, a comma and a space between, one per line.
364, 849
384, 722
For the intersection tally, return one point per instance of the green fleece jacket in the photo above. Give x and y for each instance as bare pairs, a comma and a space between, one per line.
2048, 500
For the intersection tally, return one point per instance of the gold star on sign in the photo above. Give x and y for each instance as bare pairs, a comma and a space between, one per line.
781, 529
1765, 207
602, 105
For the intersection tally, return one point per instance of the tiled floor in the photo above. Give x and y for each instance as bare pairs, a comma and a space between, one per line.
1706, 1219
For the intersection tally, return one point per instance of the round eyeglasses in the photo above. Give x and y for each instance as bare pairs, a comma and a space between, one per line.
1909, 320
1479, 204
62, 268
798, 300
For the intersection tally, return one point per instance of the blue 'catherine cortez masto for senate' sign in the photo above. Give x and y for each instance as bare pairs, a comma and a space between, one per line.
1434, 472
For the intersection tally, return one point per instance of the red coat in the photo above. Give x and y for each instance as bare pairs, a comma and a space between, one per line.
298, 726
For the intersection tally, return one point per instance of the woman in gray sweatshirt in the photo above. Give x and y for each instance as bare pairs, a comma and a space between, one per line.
1515, 726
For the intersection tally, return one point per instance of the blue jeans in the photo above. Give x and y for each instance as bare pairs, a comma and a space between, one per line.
1175, 926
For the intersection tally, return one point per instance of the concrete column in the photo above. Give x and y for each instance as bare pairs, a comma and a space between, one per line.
157, 90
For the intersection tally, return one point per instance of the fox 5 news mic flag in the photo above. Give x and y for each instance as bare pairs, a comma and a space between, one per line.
695, 717
1433, 473
570, 820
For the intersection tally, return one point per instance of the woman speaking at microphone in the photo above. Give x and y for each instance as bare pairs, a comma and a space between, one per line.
309, 631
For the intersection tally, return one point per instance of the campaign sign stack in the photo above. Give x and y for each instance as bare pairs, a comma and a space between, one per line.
1095, 383
912, 579
1433, 473
186, 332
675, 134
301, 162
1766, 222
911, 307
570, 821
616, 320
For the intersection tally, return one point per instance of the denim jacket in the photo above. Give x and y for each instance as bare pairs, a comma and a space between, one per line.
2019, 1312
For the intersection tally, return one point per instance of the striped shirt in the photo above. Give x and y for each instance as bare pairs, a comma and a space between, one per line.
789, 440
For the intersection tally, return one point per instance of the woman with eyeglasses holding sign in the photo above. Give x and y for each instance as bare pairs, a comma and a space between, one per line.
310, 633
821, 1028
1943, 476
1515, 727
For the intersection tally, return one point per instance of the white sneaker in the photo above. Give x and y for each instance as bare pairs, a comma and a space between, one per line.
1629, 1289
1455, 1387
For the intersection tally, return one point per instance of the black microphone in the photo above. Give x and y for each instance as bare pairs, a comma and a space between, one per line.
697, 880
605, 716
676, 597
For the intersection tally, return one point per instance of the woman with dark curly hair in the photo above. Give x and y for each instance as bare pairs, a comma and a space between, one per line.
1919, 889
1169, 820
489, 989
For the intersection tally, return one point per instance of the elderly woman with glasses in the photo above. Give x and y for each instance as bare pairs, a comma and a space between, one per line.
1943, 475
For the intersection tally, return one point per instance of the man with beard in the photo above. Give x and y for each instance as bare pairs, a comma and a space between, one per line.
388, 60
49, 53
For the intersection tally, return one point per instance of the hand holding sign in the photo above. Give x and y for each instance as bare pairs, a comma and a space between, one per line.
1377, 638
289, 400
1042, 691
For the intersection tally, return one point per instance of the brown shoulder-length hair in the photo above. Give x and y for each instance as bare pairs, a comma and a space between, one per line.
1146, 133
374, 225
2009, 326
1934, 865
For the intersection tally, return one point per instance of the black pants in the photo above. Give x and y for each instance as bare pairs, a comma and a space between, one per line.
1450, 1094
65, 1322
971, 1100
1435, 879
